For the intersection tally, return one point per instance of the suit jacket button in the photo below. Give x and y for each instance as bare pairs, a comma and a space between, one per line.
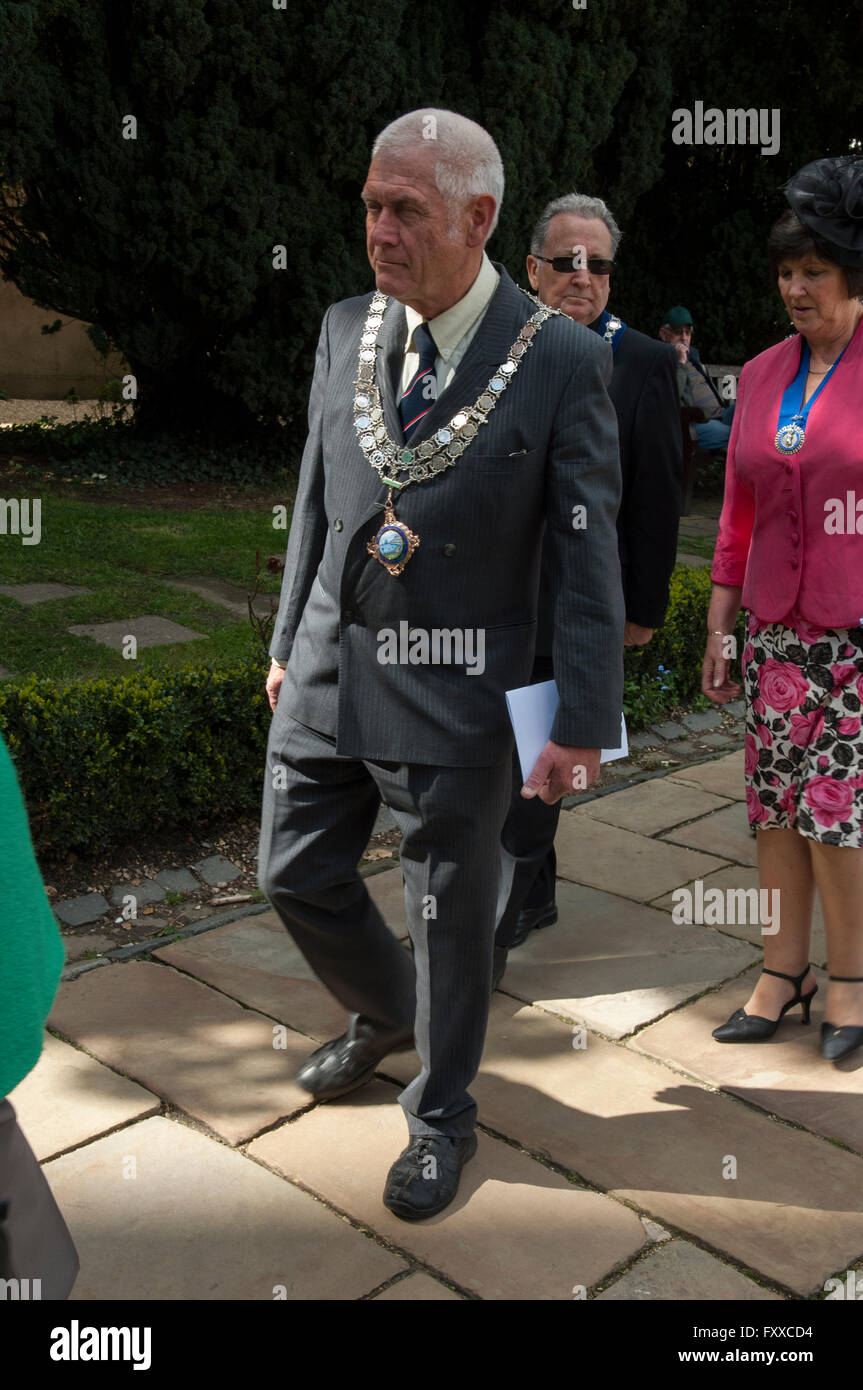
794, 563
449, 548
793, 516
338, 524
796, 538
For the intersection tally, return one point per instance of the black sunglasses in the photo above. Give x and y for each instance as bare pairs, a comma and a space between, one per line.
563, 265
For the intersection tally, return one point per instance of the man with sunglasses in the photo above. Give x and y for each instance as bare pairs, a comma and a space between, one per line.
569, 267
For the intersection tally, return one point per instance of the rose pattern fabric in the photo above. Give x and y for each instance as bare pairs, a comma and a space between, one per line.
803, 751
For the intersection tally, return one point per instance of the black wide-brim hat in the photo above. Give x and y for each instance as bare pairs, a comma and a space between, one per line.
827, 196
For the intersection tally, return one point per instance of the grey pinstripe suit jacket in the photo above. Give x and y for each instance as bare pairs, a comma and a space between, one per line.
549, 446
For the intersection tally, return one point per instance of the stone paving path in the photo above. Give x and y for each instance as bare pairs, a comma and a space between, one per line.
623, 1154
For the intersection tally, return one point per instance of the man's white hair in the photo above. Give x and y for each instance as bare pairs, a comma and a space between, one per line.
468, 161
580, 205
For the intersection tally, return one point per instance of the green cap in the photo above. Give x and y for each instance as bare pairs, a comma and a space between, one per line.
678, 317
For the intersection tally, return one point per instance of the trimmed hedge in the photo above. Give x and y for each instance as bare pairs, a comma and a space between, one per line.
104, 762
668, 671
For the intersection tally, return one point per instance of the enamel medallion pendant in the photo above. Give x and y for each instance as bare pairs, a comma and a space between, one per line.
394, 543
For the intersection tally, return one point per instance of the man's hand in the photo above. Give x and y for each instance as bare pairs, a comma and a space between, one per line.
682, 350
561, 770
274, 684
635, 636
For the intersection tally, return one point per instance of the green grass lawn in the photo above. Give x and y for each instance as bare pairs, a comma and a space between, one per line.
123, 553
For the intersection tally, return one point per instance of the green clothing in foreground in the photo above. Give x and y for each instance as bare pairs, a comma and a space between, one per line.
31, 948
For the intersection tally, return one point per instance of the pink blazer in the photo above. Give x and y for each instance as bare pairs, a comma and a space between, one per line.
773, 532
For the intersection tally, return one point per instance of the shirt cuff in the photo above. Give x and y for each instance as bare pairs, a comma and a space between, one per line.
276, 661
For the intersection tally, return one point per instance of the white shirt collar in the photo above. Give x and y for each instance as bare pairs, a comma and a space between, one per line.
449, 328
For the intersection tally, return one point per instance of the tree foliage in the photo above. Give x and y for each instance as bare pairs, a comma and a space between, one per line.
253, 131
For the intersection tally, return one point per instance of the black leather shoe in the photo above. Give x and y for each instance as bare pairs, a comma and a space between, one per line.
349, 1061
424, 1178
748, 1028
838, 1042
531, 919
498, 969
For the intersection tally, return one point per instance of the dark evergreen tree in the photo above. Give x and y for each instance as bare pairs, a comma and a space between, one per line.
253, 130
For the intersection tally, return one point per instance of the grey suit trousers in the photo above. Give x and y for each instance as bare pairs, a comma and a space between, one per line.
318, 812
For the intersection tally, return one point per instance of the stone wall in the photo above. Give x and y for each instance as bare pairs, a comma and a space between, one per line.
41, 367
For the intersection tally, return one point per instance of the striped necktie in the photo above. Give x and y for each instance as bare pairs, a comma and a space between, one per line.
419, 396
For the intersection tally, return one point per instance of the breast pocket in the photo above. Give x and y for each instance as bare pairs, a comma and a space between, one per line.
505, 465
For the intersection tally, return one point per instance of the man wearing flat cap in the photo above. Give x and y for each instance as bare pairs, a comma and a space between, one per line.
452, 423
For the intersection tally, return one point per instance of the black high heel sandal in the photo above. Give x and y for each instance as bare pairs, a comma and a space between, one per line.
836, 1041
744, 1027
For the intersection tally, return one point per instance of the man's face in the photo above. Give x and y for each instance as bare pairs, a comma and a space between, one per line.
578, 293
683, 334
416, 246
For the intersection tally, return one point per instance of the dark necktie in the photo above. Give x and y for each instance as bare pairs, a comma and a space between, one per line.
419, 397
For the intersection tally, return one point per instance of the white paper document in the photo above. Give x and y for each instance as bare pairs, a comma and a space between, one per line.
531, 710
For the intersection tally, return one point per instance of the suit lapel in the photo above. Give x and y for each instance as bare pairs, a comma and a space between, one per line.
388, 368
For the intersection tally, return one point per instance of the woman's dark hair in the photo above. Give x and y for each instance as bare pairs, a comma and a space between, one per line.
790, 239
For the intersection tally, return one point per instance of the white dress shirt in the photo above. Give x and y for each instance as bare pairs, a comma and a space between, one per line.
454, 330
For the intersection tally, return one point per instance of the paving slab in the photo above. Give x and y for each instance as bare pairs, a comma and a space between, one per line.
603, 856
418, 1287
343, 1152
614, 965
639, 1130
69, 1098
148, 630
216, 869
683, 750
681, 1271
255, 961
736, 877
161, 1211
736, 707
233, 597
40, 593
699, 721
77, 912
145, 893
786, 1076
177, 881
643, 741
723, 740
77, 946
5, 674
724, 776
725, 833
193, 1047
653, 806
669, 730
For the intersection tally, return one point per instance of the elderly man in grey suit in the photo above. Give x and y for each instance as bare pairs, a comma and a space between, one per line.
452, 423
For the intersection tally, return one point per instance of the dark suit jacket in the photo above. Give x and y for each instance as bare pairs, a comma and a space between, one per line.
644, 392
550, 445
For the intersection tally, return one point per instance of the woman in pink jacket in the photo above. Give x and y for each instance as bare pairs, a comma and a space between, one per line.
790, 549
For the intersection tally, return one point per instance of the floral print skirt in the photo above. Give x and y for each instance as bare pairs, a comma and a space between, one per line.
804, 748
